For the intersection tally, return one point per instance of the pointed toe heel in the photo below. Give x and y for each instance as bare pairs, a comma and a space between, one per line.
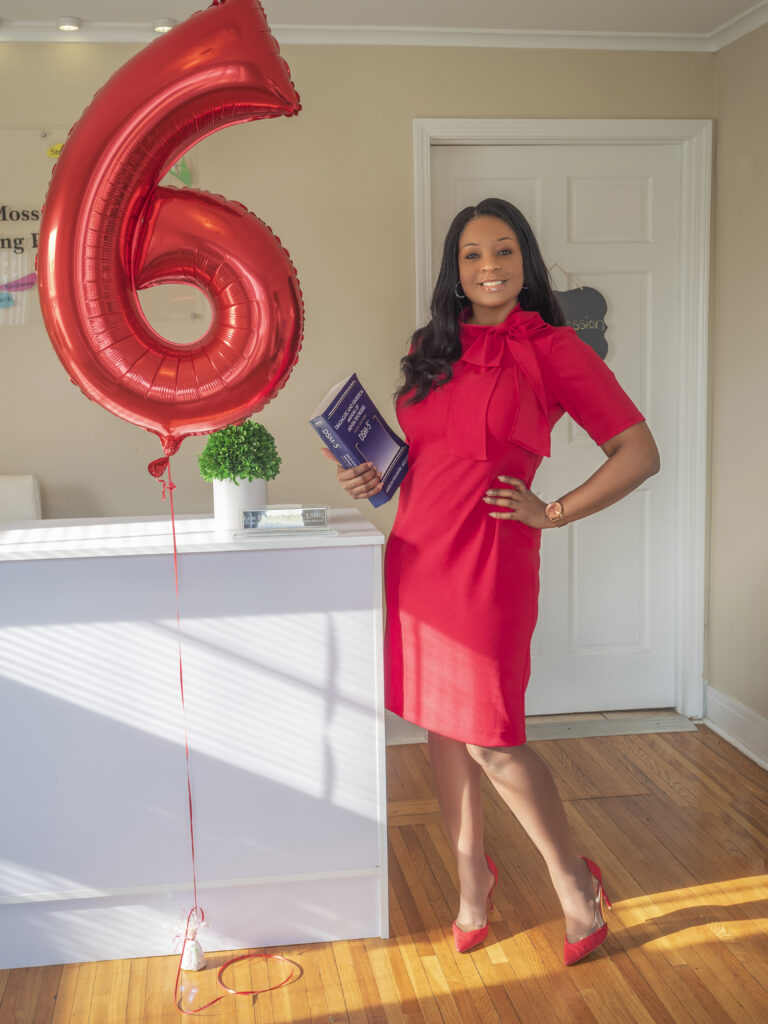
464, 941
586, 944
495, 873
575, 951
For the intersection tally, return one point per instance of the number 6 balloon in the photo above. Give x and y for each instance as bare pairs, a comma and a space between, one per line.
108, 229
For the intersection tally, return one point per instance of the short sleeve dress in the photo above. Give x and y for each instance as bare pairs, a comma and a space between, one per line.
461, 586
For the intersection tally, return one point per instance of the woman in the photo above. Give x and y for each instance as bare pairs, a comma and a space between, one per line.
484, 383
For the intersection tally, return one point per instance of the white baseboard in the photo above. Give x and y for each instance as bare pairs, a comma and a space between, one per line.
744, 728
400, 731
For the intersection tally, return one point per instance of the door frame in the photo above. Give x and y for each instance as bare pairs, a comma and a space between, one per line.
694, 137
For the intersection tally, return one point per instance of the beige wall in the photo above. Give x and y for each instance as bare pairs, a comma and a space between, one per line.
738, 651
336, 185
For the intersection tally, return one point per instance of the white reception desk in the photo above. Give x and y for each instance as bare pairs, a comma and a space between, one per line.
281, 647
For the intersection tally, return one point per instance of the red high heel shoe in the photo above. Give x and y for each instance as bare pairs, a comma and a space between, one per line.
464, 941
585, 944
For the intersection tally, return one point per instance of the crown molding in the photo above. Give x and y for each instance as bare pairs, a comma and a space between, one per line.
739, 26
367, 35
358, 35
92, 32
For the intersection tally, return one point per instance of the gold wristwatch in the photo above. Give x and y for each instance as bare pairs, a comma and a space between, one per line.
554, 512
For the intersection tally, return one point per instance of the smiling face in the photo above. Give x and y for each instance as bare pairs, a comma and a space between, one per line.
490, 269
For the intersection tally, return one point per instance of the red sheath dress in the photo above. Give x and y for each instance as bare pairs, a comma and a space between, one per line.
462, 587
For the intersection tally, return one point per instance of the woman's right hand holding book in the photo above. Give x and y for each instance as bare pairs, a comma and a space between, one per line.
361, 481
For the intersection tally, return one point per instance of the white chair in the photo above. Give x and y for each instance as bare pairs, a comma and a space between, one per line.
19, 498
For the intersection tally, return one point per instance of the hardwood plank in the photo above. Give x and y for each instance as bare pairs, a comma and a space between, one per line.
607, 776
705, 789
424, 889
412, 962
321, 980
65, 995
660, 777
537, 998
571, 780
360, 993
81, 1003
496, 973
42, 1012
417, 771
472, 990
14, 987
728, 787
238, 1009
395, 1000
653, 992
735, 991
441, 990
412, 925
194, 989
25, 1007
331, 983
412, 812
398, 781
137, 992
689, 842
707, 1006
289, 1002
311, 981
244, 976
730, 755
101, 992
607, 994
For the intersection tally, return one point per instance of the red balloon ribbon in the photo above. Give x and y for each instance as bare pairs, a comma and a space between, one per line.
108, 229
158, 468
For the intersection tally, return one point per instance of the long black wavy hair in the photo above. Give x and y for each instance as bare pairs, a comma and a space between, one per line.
435, 348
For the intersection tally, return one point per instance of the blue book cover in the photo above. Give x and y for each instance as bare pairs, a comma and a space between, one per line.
354, 430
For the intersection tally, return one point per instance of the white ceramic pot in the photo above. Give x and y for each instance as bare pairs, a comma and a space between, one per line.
229, 500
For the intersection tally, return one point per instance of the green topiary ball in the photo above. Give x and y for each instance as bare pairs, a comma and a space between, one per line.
243, 452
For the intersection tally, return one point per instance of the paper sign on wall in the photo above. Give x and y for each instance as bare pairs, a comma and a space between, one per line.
30, 153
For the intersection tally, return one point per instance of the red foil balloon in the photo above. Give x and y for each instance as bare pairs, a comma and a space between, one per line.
108, 229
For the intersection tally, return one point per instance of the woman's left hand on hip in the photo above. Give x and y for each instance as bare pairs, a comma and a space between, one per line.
516, 502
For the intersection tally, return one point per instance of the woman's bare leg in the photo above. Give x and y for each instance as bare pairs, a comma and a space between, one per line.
458, 787
526, 785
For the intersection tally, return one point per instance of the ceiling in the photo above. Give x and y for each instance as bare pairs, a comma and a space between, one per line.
703, 25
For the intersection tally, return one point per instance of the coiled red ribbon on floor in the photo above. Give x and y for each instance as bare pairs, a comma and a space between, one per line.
223, 968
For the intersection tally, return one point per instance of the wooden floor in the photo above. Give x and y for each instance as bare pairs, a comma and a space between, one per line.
679, 824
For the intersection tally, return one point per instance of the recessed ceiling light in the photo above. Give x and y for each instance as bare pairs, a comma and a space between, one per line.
163, 24
69, 24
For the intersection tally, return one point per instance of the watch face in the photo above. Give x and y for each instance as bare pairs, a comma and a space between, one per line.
554, 511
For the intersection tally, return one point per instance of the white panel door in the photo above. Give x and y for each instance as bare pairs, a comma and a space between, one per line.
608, 215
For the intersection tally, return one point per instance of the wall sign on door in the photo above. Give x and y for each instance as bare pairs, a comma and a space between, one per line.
584, 310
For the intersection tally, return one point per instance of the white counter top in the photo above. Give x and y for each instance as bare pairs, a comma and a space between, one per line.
151, 535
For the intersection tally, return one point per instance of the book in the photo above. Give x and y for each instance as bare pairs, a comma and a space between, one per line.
353, 429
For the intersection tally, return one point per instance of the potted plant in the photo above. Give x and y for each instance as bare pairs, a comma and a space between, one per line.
239, 460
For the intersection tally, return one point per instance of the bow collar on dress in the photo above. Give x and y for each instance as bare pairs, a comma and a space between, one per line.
487, 349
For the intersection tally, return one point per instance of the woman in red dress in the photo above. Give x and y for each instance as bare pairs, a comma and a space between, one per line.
484, 383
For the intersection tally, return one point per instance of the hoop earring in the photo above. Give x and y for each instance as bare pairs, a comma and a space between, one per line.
458, 291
